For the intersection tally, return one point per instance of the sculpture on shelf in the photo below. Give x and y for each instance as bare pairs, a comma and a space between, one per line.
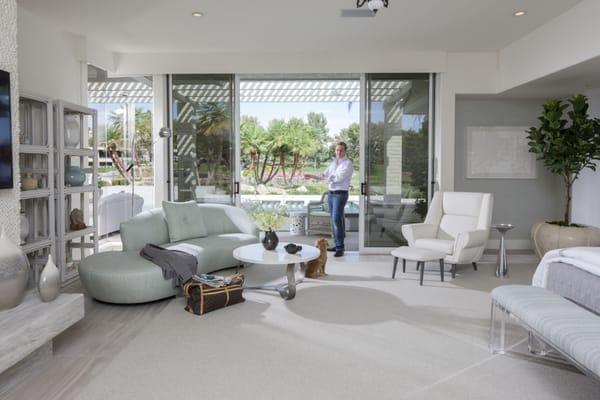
76, 218
24, 222
29, 182
14, 273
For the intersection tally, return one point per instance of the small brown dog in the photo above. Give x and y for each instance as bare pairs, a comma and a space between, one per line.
316, 267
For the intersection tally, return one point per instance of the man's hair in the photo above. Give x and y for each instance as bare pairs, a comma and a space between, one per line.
342, 144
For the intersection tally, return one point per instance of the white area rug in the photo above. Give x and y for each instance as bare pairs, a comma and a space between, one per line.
354, 335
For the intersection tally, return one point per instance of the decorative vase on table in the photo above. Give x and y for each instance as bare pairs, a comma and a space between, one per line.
74, 176
270, 241
49, 284
24, 222
14, 273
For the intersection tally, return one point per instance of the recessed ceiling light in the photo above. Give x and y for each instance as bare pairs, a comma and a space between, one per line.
520, 13
197, 14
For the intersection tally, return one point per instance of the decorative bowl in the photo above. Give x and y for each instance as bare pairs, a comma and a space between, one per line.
292, 248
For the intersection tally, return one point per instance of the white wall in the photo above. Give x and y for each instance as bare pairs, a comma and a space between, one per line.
49, 60
9, 198
564, 41
586, 190
332, 62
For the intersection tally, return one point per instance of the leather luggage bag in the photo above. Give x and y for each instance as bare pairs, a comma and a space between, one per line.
202, 298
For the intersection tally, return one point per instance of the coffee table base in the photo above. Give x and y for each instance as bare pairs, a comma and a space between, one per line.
286, 290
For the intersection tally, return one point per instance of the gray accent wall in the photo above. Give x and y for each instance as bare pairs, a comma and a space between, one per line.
521, 202
586, 190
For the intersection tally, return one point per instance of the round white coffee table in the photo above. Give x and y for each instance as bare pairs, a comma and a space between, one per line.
256, 254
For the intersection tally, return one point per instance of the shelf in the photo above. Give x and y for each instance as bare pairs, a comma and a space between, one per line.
34, 194
79, 189
37, 245
71, 151
70, 235
33, 149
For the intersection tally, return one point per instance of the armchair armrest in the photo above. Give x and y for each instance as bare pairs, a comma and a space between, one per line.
413, 232
469, 239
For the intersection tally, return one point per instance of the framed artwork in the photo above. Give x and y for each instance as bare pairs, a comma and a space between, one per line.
499, 152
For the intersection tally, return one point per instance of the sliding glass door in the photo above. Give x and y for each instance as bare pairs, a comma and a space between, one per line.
203, 157
396, 151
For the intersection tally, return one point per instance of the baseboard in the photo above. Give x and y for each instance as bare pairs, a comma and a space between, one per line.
514, 244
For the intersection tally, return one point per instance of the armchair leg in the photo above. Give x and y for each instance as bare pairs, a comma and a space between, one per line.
403, 265
395, 265
474, 266
418, 264
453, 271
422, 271
442, 269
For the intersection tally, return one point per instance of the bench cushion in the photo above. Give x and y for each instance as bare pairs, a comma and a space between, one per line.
417, 254
564, 325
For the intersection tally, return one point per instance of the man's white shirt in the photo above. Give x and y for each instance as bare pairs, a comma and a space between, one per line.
339, 174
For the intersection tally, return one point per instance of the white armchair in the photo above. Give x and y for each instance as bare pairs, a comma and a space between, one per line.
457, 224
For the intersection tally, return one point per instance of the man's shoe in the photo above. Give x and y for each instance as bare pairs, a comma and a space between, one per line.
339, 253
331, 249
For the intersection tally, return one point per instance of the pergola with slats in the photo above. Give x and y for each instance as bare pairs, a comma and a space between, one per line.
251, 91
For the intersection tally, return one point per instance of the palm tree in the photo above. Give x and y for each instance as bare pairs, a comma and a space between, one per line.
213, 126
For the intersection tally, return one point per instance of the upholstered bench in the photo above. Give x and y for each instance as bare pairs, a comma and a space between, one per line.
564, 326
420, 256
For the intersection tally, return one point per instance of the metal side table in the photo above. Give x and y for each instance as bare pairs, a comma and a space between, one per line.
502, 264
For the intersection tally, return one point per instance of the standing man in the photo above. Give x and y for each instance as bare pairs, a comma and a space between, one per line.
338, 175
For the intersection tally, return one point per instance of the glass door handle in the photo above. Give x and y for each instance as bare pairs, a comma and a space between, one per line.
236, 188
363, 187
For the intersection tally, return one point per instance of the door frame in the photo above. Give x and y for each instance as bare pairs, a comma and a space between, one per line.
364, 112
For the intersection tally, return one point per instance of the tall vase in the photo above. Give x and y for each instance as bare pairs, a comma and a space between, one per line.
14, 273
49, 284
270, 241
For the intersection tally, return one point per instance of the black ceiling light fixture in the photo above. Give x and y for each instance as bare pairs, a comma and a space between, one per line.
373, 5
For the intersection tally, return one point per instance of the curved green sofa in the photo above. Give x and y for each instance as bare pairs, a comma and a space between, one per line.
124, 277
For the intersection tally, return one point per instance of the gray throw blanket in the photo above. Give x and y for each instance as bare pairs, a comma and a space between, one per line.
176, 265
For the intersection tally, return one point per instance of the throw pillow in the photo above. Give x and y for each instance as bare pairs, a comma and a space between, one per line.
184, 220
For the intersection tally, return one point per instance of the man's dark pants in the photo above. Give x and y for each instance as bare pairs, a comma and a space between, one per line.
337, 201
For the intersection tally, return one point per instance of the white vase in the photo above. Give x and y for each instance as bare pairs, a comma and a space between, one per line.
24, 227
49, 284
72, 130
14, 273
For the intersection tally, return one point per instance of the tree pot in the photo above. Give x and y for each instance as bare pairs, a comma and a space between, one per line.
270, 241
546, 237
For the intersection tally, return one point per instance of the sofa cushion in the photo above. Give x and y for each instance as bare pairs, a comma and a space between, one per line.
214, 252
185, 220
445, 246
217, 218
146, 227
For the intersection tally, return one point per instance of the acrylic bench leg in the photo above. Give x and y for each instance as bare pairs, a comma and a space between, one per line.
537, 346
497, 329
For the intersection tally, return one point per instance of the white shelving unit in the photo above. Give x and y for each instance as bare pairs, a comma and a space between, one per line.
74, 245
36, 158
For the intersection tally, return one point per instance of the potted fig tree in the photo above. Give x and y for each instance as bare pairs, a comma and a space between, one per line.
567, 141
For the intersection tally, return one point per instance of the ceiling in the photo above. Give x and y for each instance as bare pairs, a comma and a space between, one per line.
296, 25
